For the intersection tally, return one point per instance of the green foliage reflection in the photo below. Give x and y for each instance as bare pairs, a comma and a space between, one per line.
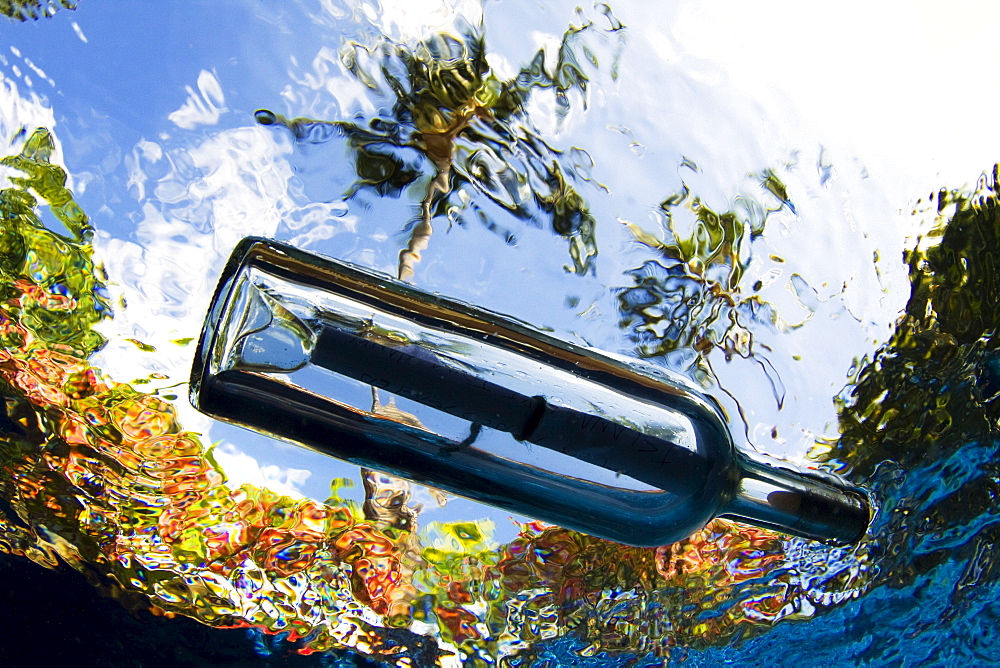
59, 294
691, 298
456, 130
22, 10
934, 386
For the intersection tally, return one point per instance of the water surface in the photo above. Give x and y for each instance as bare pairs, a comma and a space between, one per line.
587, 171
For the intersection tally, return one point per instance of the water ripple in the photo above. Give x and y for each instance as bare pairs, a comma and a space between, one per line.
104, 476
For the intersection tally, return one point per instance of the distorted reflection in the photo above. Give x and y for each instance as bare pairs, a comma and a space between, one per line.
456, 132
101, 474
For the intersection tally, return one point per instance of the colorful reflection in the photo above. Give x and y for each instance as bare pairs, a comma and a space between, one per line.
458, 133
692, 298
101, 476
24, 10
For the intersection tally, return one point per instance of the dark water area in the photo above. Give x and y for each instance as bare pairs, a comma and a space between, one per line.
615, 176
64, 619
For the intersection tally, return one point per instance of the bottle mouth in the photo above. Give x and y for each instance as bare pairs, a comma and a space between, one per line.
799, 504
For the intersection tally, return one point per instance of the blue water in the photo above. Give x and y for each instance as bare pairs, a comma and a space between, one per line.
153, 108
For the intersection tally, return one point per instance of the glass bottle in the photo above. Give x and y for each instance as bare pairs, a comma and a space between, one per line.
370, 370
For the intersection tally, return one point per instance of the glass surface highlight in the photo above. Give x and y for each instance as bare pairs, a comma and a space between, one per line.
804, 229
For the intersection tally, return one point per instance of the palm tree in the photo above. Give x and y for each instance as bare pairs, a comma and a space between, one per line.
453, 118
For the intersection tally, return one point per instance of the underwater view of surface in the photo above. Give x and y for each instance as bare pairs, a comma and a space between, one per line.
797, 209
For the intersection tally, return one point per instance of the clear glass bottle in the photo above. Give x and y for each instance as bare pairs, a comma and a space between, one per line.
370, 370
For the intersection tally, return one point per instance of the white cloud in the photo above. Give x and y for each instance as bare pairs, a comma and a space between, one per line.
79, 31
901, 82
21, 111
240, 469
202, 107
413, 19
234, 184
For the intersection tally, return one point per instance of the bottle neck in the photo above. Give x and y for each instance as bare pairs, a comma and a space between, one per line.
798, 504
